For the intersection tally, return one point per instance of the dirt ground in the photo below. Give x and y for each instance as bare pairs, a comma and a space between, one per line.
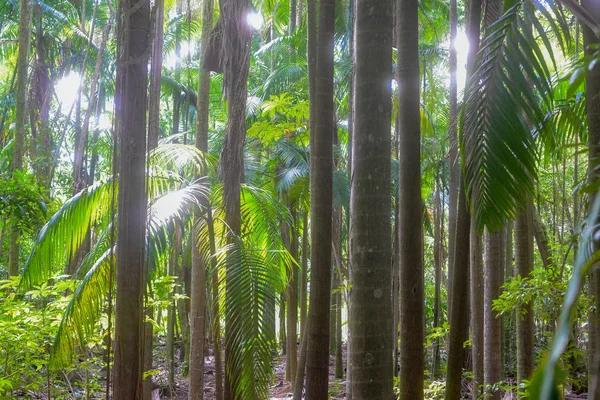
280, 389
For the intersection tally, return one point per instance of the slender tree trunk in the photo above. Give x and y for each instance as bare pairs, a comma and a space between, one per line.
351, 24
592, 83
40, 148
477, 288
410, 212
132, 72
339, 362
153, 123
494, 261
304, 276
524, 266
453, 149
437, 256
282, 332
155, 75
300, 372
370, 204
292, 305
321, 161
216, 327
460, 299
458, 270
236, 57
293, 12
198, 289
333, 305
25, 17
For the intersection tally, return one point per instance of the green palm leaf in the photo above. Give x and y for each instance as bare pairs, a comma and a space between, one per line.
85, 307
63, 234
506, 97
252, 283
82, 312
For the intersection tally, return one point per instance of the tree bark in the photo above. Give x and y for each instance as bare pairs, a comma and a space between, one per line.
236, 57
132, 72
370, 204
25, 17
304, 276
592, 84
156, 74
494, 262
524, 266
198, 286
453, 148
410, 210
477, 287
292, 305
321, 177
460, 299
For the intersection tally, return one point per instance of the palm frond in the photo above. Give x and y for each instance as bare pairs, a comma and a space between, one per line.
82, 312
506, 96
252, 284
85, 308
63, 234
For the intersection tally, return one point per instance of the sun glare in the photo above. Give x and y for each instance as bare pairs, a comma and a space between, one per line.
187, 49
462, 51
66, 90
255, 20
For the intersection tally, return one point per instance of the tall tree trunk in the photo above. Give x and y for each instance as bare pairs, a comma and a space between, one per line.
304, 275
25, 11
477, 287
453, 148
155, 75
132, 73
370, 203
300, 372
494, 262
236, 57
351, 23
321, 177
282, 333
40, 96
523, 267
438, 254
410, 209
153, 126
460, 298
292, 305
339, 361
170, 350
458, 263
198, 289
592, 84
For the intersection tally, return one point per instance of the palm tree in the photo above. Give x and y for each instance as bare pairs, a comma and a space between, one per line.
321, 165
131, 78
370, 206
590, 38
198, 279
410, 218
236, 60
523, 267
20, 120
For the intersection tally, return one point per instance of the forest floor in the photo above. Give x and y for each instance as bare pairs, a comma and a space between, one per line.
281, 389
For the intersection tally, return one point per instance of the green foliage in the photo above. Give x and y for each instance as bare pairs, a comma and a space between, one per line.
510, 85
22, 202
549, 375
284, 116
